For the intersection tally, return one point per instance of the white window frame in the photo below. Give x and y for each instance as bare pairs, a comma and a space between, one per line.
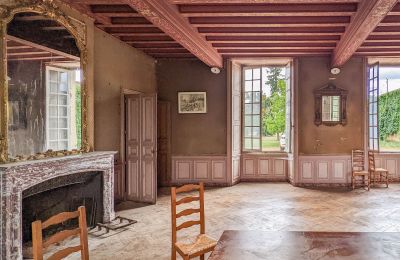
288, 70
70, 82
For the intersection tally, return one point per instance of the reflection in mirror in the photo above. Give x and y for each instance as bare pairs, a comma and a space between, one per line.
44, 89
330, 108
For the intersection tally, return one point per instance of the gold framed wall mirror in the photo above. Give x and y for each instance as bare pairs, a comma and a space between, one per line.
44, 92
330, 106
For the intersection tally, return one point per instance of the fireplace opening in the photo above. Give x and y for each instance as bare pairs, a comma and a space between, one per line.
64, 193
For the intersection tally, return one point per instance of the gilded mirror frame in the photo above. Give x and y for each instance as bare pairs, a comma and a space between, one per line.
330, 90
77, 29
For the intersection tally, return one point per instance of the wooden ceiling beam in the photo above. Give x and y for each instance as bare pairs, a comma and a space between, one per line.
196, 2
369, 14
166, 17
263, 14
85, 8
270, 20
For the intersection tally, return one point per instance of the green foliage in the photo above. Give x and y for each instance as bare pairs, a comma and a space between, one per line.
78, 114
274, 106
389, 114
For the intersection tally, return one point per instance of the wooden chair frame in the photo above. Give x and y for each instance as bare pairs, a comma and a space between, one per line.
377, 175
37, 237
187, 212
358, 169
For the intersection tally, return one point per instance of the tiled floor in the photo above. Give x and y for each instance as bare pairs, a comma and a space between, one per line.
254, 206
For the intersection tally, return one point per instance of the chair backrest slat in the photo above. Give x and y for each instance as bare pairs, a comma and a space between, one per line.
59, 218
187, 212
37, 238
187, 200
187, 188
60, 236
188, 224
64, 252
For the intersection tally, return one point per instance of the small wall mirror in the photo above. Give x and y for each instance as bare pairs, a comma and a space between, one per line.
330, 105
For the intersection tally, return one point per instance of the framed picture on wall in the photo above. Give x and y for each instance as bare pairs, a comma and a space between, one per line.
192, 102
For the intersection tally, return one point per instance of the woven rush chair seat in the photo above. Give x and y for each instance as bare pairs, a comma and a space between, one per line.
200, 243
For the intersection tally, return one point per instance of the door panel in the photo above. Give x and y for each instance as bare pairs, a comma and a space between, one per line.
141, 147
149, 147
132, 149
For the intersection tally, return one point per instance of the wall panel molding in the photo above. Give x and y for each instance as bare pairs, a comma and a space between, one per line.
210, 169
324, 169
264, 167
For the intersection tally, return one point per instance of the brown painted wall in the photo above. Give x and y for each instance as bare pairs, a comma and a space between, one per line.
116, 66
314, 73
194, 134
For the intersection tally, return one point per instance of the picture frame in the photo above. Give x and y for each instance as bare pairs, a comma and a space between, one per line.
192, 102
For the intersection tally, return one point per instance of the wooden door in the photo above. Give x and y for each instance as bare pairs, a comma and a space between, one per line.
164, 143
148, 159
141, 147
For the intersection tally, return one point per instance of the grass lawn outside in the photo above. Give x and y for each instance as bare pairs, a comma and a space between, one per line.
389, 146
269, 143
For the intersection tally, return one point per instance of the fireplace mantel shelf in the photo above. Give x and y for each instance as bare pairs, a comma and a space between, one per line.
19, 176
52, 159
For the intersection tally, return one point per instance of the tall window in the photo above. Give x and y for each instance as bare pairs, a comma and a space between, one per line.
266, 108
384, 107
63, 119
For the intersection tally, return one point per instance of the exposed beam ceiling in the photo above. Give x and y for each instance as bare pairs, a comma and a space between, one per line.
166, 17
253, 28
369, 14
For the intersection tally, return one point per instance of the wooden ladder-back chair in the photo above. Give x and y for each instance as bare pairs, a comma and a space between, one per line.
203, 243
358, 169
39, 245
377, 175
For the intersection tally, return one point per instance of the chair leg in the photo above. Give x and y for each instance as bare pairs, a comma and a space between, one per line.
352, 181
387, 180
173, 253
202, 257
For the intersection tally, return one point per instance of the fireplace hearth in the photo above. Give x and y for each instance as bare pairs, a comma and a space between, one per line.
39, 189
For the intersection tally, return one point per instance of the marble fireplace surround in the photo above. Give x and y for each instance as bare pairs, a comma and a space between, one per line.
17, 177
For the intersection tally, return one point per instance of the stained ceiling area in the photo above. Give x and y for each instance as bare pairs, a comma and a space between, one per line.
235, 28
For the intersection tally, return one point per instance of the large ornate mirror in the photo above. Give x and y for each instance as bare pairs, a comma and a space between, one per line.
45, 97
330, 105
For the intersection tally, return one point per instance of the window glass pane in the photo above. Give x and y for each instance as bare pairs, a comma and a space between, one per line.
256, 143
256, 109
53, 134
256, 120
248, 75
256, 97
63, 88
247, 143
53, 123
63, 145
256, 132
62, 111
247, 109
53, 111
53, 145
53, 100
63, 134
256, 73
247, 121
247, 132
248, 97
53, 76
375, 144
62, 100
256, 85
63, 77
248, 86
62, 123
53, 88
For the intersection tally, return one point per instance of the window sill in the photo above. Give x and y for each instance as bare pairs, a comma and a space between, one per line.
388, 153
